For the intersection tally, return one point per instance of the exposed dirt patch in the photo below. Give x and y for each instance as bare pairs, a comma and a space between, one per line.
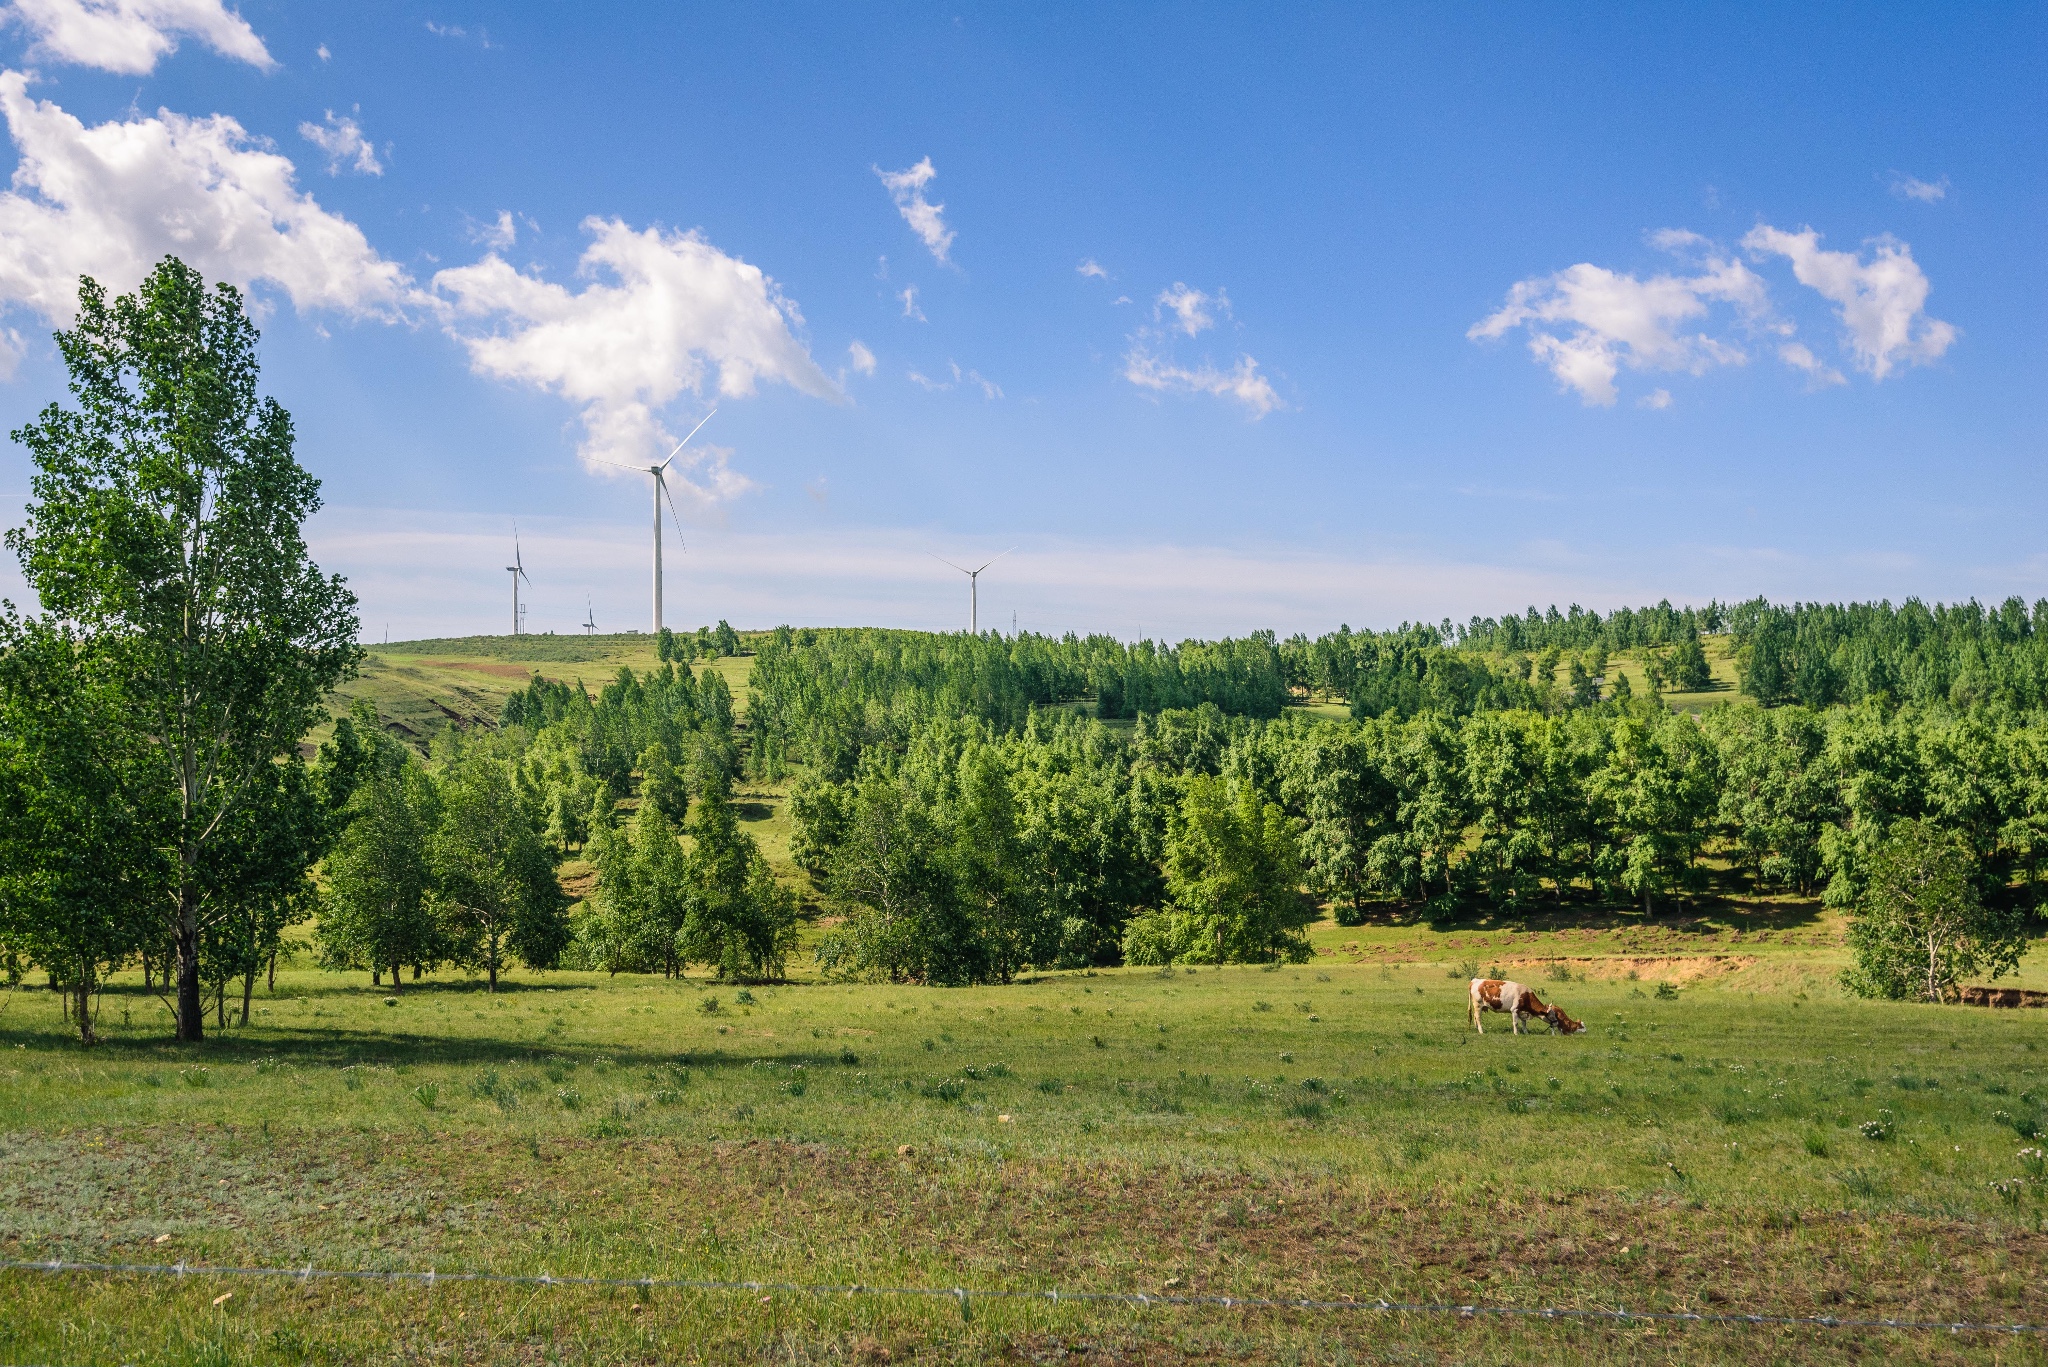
1676, 969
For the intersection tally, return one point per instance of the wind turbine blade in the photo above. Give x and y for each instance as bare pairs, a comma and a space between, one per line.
672, 515
994, 561
947, 563
686, 440
636, 469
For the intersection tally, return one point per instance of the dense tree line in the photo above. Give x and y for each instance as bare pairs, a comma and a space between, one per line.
1961, 654
969, 854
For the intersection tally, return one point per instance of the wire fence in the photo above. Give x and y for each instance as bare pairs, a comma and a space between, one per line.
965, 1297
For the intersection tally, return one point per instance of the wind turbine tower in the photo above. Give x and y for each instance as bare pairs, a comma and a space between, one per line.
589, 618
973, 587
660, 473
517, 569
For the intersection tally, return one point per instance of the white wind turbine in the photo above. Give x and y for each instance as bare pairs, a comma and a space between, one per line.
660, 473
517, 569
589, 617
973, 586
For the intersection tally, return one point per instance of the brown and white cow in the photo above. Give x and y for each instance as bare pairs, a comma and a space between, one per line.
1521, 1004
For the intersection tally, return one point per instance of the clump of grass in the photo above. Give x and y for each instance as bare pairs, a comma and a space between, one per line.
850, 1059
743, 998
1558, 972
1098, 1042
1816, 1143
709, 1006
570, 1098
930, 1044
943, 1089
1262, 1006
1467, 970
196, 1077
1310, 1110
428, 1094
1051, 1086
1667, 992
1875, 1130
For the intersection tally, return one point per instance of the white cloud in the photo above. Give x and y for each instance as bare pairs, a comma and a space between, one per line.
1881, 303
861, 359
1800, 357
989, 388
661, 312
1090, 269
322, 53
129, 36
1242, 383
497, 235
910, 308
907, 189
1190, 308
113, 200
343, 141
1926, 191
1655, 399
1586, 322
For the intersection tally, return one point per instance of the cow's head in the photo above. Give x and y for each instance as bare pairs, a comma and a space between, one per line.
1562, 1023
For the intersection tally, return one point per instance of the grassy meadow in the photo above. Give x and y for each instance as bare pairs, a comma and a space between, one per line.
1754, 1143
1731, 1135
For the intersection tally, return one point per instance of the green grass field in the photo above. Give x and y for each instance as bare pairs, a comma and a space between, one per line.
1731, 1136
1325, 1131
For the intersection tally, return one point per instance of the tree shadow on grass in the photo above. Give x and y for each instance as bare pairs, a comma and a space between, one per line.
1702, 915
323, 1046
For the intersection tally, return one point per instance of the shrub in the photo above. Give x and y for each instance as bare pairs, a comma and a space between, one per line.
1667, 992
1558, 972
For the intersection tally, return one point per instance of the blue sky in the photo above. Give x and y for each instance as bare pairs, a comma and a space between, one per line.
1224, 318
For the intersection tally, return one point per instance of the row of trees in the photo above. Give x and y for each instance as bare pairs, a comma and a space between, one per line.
433, 866
970, 854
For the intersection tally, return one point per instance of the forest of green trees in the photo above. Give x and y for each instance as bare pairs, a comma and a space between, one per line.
966, 807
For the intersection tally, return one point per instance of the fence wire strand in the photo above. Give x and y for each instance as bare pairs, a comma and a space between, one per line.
966, 1297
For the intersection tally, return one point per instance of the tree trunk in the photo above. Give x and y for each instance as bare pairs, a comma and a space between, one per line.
85, 1034
248, 990
376, 976
191, 1007
271, 986
397, 985
220, 1004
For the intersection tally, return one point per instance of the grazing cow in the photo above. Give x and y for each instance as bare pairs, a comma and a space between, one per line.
1521, 1004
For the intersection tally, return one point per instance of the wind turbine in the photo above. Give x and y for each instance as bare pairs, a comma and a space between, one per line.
660, 473
517, 569
973, 587
589, 618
